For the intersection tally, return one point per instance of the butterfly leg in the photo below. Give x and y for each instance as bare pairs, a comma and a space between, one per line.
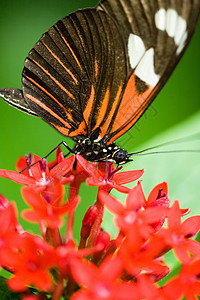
61, 143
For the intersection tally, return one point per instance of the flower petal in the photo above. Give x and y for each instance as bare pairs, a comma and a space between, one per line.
63, 167
174, 217
88, 167
16, 177
153, 214
185, 211
127, 176
35, 170
190, 226
135, 198
111, 203
108, 264
120, 188
155, 192
21, 165
33, 198
84, 272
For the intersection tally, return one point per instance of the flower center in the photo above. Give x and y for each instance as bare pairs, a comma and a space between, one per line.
102, 291
130, 217
32, 267
160, 195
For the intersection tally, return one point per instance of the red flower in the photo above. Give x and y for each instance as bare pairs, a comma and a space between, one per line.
39, 175
186, 284
87, 222
138, 255
67, 253
31, 297
113, 179
124, 268
43, 209
131, 213
10, 230
31, 263
177, 234
81, 170
147, 289
101, 283
158, 197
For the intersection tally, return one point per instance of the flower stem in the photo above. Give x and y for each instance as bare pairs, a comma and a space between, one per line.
58, 291
73, 193
97, 223
53, 237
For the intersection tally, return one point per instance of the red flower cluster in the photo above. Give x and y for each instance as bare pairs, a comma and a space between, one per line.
127, 267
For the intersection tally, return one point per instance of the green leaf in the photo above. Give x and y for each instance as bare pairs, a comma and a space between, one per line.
180, 169
5, 292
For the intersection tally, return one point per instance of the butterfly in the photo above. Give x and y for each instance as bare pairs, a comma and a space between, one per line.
93, 74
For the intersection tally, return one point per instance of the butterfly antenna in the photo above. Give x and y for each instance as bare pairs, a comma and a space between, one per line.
168, 151
193, 137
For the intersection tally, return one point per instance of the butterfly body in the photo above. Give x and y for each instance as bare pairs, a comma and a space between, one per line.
97, 151
93, 74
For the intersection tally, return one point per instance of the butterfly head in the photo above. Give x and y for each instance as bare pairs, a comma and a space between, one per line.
120, 156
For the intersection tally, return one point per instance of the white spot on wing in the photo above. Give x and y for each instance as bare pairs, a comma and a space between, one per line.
180, 30
160, 19
171, 22
136, 49
174, 25
182, 43
145, 69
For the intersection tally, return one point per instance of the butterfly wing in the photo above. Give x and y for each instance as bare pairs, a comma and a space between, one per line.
155, 35
15, 98
75, 72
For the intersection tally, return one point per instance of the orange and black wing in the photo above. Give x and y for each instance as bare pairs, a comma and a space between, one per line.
74, 75
155, 34
100, 68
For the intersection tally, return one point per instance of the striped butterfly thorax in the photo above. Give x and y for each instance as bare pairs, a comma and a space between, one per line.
93, 74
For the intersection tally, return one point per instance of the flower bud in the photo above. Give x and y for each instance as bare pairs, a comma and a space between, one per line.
88, 221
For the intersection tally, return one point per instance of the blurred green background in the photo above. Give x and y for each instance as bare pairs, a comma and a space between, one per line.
174, 114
